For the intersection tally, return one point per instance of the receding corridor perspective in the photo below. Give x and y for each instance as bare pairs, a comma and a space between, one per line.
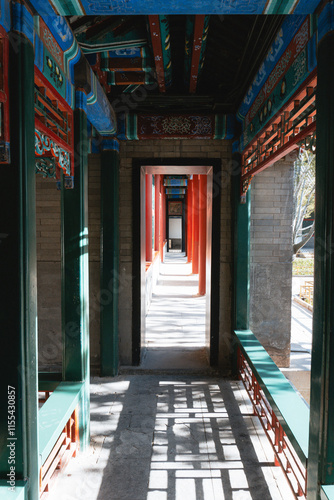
175, 322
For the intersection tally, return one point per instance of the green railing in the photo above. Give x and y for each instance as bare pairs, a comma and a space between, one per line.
283, 413
58, 426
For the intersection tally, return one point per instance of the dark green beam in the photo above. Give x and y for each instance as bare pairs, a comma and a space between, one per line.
75, 272
321, 455
18, 293
110, 278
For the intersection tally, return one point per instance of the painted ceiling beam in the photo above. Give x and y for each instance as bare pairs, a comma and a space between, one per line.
160, 36
201, 27
161, 7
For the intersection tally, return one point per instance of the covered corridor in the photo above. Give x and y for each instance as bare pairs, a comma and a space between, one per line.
175, 321
104, 101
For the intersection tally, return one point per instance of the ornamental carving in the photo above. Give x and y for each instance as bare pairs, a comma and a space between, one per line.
174, 126
46, 167
44, 146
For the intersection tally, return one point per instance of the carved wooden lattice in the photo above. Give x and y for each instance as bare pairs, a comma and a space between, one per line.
53, 132
295, 121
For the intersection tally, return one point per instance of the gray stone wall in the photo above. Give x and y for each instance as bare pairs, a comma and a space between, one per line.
48, 220
174, 149
271, 259
48, 273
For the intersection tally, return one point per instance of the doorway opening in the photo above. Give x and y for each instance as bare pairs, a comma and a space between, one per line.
176, 284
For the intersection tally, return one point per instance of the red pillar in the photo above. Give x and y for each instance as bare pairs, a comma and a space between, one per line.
195, 217
202, 235
148, 220
157, 227
190, 220
161, 223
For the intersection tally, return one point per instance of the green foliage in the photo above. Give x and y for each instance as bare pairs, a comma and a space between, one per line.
302, 267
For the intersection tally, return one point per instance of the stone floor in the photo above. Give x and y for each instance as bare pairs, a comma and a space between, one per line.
170, 431
175, 324
172, 438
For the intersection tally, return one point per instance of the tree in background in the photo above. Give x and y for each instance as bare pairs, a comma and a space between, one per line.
304, 196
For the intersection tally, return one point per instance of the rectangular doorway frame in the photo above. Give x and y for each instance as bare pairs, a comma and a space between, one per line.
142, 166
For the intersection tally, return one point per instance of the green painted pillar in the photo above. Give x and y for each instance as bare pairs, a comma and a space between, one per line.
18, 278
241, 275
75, 270
321, 444
110, 276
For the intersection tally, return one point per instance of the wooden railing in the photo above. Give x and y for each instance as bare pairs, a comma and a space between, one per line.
282, 412
58, 429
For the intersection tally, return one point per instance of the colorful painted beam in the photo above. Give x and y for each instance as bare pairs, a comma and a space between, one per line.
160, 7
197, 28
289, 73
186, 126
288, 31
283, 134
160, 37
171, 190
76, 67
172, 182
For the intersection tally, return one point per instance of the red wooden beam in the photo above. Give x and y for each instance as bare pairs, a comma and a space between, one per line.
196, 52
283, 151
157, 51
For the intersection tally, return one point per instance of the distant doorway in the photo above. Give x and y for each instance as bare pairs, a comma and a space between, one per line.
144, 338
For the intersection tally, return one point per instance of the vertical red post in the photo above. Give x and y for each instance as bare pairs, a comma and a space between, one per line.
164, 233
195, 217
202, 234
161, 224
157, 227
190, 220
148, 220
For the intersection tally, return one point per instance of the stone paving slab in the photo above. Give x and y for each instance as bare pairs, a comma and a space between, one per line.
172, 438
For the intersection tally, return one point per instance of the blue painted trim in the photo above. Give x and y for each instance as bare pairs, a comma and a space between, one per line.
161, 7
99, 110
23, 21
81, 100
224, 126
39, 53
312, 53
306, 7
326, 21
289, 28
235, 147
5, 18
108, 144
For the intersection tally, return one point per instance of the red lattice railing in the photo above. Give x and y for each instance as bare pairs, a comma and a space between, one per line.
285, 455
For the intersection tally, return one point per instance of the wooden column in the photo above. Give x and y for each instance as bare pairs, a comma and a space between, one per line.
195, 224
321, 443
202, 235
110, 278
75, 270
157, 227
18, 280
148, 216
161, 222
190, 220
241, 231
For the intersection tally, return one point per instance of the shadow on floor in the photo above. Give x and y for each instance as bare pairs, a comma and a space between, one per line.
172, 438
